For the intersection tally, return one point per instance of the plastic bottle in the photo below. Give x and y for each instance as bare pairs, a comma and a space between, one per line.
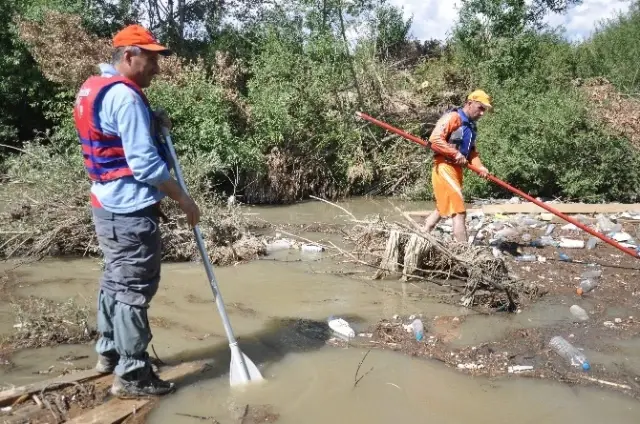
579, 313
547, 241
312, 248
592, 274
526, 258
604, 224
587, 285
564, 257
418, 329
571, 244
591, 243
549, 229
570, 353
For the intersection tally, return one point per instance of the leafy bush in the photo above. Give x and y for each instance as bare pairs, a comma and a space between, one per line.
546, 144
613, 52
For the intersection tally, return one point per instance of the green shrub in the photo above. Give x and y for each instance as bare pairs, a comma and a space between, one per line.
613, 52
546, 144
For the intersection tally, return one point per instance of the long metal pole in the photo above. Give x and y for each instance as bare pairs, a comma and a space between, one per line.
501, 183
233, 344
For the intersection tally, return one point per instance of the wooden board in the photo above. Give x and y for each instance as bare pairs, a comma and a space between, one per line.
532, 208
117, 410
7, 397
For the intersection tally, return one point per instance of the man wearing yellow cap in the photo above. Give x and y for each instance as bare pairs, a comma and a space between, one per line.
128, 166
454, 137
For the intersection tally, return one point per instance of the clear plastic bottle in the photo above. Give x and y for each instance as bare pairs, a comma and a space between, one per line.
527, 258
591, 243
549, 229
587, 285
579, 313
569, 352
592, 274
418, 329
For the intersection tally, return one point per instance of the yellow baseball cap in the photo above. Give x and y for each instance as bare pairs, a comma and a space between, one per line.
480, 96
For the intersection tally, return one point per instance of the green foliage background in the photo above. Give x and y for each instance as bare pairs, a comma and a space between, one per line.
269, 104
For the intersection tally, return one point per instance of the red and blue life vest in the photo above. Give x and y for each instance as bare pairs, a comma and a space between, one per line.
456, 137
104, 157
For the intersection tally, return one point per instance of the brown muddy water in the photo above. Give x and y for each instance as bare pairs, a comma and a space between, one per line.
271, 304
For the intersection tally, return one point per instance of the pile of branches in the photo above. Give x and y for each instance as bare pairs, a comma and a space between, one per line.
42, 322
395, 248
50, 215
63, 226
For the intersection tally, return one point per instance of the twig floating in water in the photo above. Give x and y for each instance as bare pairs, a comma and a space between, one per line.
333, 204
199, 417
355, 377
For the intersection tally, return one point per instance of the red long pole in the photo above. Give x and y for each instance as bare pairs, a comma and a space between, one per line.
507, 186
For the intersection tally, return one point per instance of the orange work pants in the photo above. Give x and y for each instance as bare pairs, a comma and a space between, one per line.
447, 188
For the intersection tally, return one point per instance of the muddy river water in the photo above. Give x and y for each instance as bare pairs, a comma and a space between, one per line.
308, 381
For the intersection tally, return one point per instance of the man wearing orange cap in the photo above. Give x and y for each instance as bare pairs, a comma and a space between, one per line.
455, 138
129, 167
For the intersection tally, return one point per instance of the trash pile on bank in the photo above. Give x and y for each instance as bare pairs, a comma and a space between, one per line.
512, 234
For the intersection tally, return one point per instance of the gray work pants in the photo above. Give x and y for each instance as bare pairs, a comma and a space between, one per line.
131, 247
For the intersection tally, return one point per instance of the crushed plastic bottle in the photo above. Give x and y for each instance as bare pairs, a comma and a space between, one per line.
604, 224
549, 229
586, 286
530, 222
591, 243
543, 242
527, 258
621, 236
564, 257
592, 274
506, 232
569, 352
418, 329
579, 313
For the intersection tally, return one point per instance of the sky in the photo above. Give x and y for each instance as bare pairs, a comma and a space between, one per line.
434, 18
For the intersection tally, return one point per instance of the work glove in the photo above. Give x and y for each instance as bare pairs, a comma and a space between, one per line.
483, 171
460, 159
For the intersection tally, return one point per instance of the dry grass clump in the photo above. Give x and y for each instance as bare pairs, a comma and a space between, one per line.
621, 113
66, 53
43, 322
49, 214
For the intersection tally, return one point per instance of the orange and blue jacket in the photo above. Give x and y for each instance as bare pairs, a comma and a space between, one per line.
455, 132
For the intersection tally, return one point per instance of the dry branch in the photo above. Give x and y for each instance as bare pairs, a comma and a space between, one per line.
404, 249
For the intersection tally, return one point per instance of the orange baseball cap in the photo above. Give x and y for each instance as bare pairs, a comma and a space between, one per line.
139, 36
480, 96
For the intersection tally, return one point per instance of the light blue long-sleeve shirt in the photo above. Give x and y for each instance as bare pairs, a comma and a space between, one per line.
123, 112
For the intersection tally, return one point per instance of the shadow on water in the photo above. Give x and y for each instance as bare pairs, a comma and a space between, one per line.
281, 336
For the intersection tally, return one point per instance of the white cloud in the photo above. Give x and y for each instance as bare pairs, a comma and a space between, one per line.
435, 18
583, 19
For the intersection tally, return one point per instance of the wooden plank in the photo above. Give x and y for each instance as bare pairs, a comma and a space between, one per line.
7, 397
117, 409
532, 208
